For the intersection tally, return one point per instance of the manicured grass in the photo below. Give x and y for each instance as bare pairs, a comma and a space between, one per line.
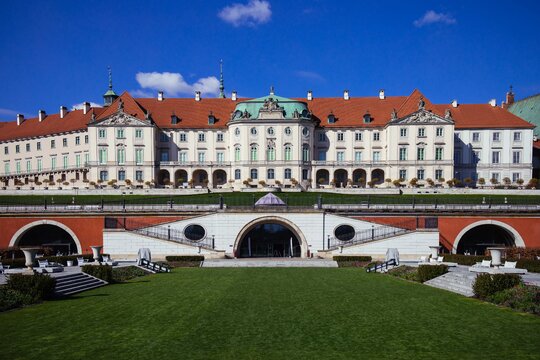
293, 199
268, 314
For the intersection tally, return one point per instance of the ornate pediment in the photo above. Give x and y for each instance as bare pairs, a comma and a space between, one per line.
271, 110
120, 118
423, 116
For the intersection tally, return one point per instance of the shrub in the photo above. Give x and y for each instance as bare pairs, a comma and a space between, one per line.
405, 272
11, 299
14, 263
428, 272
185, 258
522, 253
465, 259
103, 272
487, 285
37, 287
339, 258
529, 265
127, 273
521, 297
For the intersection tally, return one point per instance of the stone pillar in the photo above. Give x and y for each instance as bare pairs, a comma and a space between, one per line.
95, 251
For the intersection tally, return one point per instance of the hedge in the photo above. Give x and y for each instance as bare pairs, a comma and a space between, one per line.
530, 265
428, 272
176, 258
37, 286
339, 258
465, 259
127, 273
405, 272
487, 285
521, 297
11, 299
103, 272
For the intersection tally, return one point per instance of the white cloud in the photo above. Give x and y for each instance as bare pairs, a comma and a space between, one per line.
8, 113
253, 13
432, 17
173, 84
310, 75
79, 106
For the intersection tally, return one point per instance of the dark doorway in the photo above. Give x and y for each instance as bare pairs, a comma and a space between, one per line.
49, 236
476, 240
269, 240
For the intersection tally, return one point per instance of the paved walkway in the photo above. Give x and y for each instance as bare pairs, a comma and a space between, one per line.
270, 262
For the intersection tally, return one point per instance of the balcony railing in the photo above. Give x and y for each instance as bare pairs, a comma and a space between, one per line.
54, 170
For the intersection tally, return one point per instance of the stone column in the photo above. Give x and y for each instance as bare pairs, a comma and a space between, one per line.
95, 251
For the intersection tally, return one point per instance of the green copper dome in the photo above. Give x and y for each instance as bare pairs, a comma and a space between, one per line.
272, 104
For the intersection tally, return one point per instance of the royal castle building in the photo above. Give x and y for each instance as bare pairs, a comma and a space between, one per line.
235, 142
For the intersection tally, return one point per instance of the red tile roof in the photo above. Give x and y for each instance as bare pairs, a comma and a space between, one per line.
194, 114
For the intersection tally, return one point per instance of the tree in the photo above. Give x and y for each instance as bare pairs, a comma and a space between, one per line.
507, 181
397, 182
262, 183
430, 181
450, 183
388, 181
481, 182
413, 182
520, 182
493, 181
278, 183
467, 181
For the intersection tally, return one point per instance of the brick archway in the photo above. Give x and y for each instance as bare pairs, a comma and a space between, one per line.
19, 234
518, 240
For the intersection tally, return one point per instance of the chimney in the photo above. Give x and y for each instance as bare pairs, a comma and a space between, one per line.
41, 115
63, 112
454, 103
20, 119
493, 102
310, 95
85, 107
233, 95
346, 95
381, 94
160, 96
197, 96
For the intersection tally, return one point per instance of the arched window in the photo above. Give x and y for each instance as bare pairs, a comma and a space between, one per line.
237, 153
237, 174
254, 174
253, 153
288, 174
270, 153
270, 174
288, 152
305, 152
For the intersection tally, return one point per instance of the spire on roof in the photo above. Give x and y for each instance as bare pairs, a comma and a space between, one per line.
110, 95
221, 86
272, 90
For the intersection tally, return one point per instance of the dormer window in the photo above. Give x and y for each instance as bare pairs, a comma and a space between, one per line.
174, 119
367, 117
211, 119
331, 118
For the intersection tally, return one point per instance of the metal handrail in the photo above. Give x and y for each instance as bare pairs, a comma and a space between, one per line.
373, 234
384, 265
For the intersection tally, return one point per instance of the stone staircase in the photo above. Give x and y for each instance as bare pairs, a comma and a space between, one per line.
269, 262
459, 282
76, 283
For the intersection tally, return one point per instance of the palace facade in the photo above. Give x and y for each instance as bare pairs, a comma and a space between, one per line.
267, 141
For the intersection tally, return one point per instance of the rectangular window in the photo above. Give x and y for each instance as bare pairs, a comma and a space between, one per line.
254, 174
139, 175
403, 174
402, 154
420, 154
27, 147
120, 134
403, 132
86, 139
102, 133
18, 149
376, 136
475, 136
163, 137
18, 167
38, 145
438, 174
53, 144
182, 156
288, 153
421, 132
103, 156
304, 174
220, 157
183, 137
164, 155
39, 165
104, 175
358, 136
496, 136
78, 160
270, 174
288, 174
420, 174
64, 142
340, 136
6, 168
439, 153
121, 175
516, 157
138, 134
496, 177
121, 156
516, 177
376, 156
6, 150
237, 174
28, 166
139, 156
322, 137
77, 140
65, 161
219, 137
86, 159
201, 156
439, 132
322, 155
201, 137
340, 156
495, 157
53, 163
517, 136
358, 156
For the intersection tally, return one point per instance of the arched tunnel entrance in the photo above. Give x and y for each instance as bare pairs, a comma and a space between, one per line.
476, 240
56, 239
269, 240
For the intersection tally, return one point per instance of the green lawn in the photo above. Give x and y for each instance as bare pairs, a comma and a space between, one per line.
293, 199
279, 313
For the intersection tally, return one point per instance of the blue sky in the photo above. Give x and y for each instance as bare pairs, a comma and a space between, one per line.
56, 53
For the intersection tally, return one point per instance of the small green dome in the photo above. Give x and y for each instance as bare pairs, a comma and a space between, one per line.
289, 108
